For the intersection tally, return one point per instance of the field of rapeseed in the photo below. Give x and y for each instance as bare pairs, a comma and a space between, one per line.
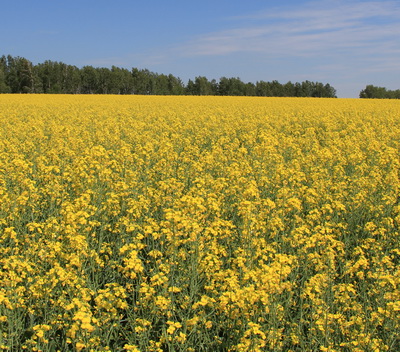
133, 223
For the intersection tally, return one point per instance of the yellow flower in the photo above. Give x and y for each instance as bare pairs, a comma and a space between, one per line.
80, 346
173, 326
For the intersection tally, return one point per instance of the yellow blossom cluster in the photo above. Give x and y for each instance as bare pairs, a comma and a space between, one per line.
145, 223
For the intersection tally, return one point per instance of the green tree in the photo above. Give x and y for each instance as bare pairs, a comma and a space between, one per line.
160, 84
20, 76
250, 89
200, 86
4, 88
142, 81
330, 92
277, 89
122, 80
289, 89
373, 92
231, 86
50, 76
104, 80
90, 80
175, 85
71, 79
263, 89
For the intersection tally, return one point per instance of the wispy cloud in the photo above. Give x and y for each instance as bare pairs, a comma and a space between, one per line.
325, 28
332, 29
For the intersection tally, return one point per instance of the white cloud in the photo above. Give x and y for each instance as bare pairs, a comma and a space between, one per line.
325, 28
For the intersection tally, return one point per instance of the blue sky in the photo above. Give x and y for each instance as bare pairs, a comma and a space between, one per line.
347, 43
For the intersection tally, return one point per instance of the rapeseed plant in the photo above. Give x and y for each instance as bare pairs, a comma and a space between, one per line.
143, 223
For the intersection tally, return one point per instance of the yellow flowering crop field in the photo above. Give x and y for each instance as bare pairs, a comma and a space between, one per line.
145, 223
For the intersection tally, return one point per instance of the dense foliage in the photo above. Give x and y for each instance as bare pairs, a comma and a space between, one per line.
373, 92
199, 224
19, 75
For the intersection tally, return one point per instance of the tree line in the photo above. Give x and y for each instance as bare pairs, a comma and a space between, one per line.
19, 75
373, 92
